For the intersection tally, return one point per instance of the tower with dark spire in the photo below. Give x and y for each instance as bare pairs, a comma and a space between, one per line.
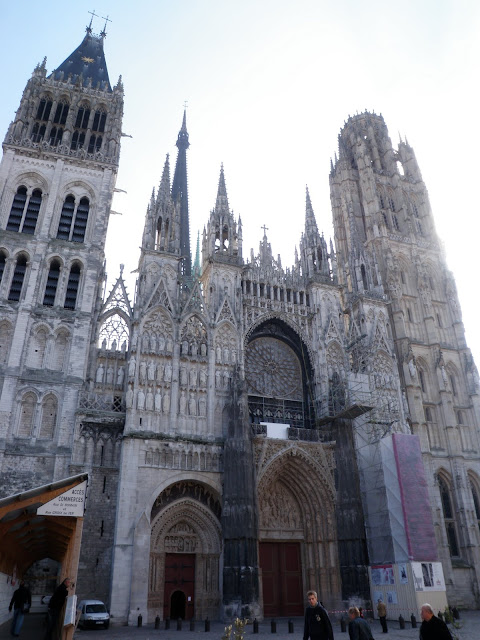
180, 196
57, 179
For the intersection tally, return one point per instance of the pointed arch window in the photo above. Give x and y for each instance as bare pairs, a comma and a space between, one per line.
476, 502
43, 109
94, 143
421, 376
83, 116
72, 286
56, 134
99, 120
18, 278
52, 283
39, 346
61, 113
27, 415
24, 212
73, 219
3, 262
49, 416
448, 517
5, 340
60, 350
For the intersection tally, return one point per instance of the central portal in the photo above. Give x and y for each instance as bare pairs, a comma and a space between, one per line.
179, 586
281, 579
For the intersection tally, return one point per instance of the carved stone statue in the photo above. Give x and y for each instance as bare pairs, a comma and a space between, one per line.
151, 370
129, 397
131, 367
203, 377
203, 349
167, 374
166, 402
194, 349
158, 400
185, 348
110, 375
149, 400
120, 376
100, 373
218, 354
183, 403
192, 405
193, 377
143, 371
202, 406
161, 342
169, 345
140, 399
183, 376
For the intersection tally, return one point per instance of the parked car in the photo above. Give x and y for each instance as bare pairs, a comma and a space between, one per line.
93, 613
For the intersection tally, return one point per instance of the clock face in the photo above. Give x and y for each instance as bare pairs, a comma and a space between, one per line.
87, 60
272, 370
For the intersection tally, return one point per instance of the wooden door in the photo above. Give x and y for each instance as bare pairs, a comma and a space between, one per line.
179, 577
281, 579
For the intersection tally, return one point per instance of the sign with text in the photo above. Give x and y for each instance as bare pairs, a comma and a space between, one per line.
428, 576
71, 503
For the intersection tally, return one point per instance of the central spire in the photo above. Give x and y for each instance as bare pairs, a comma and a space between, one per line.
180, 196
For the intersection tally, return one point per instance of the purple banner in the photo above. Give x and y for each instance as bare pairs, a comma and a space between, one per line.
417, 511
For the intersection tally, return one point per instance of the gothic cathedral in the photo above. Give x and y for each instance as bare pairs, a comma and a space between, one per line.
250, 431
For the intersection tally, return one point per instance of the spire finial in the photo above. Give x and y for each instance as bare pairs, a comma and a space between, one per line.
89, 28
103, 33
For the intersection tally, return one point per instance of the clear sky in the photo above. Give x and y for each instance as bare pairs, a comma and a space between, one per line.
269, 84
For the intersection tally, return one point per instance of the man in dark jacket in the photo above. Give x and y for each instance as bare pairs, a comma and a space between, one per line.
433, 628
55, 607
317, 622
358, 627
21, 602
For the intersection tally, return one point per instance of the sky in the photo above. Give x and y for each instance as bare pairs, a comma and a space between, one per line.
269, 84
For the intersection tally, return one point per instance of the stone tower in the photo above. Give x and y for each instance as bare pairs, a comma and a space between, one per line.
57, 179
387, 247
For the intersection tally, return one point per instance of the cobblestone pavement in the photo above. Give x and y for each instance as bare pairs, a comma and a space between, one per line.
33, 630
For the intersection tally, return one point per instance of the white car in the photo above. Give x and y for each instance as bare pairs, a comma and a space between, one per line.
93, 613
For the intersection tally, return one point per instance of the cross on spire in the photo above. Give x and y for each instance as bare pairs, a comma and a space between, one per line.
103, 33
94, 15
185, 104
265, 229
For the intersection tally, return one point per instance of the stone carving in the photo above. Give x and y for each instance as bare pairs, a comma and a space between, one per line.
166, 402
110, 375
151, 370
183, 403
140, 399
143, 372
193, 333
158, 400
203, 349
203, 377
100, 373
129, 397
192, 405
120, 376
193, 377
131, 367
279, 509
183, 376
149, 400
202, 406
167, 374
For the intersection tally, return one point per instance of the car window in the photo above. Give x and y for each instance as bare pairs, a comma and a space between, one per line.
95, 608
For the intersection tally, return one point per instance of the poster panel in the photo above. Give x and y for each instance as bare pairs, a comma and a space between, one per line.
428, 576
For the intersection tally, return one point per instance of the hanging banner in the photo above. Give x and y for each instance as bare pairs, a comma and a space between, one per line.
71, 503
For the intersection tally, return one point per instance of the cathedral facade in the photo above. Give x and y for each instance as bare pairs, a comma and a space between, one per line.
250, 431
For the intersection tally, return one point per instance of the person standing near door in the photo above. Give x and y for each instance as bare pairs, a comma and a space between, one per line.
317, 622
21, 602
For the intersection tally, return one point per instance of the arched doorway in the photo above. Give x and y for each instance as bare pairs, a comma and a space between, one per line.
297, 531
185, 548
278, 374
178, 601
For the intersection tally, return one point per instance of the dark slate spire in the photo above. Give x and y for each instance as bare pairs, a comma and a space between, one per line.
180, 195
86, 63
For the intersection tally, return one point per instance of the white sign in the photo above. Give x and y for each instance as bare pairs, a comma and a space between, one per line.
70, 610
428, 576
70, 503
